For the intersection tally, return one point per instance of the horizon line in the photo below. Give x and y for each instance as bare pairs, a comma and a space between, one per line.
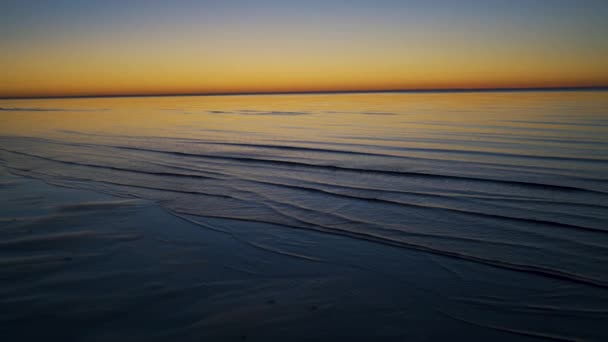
321, 92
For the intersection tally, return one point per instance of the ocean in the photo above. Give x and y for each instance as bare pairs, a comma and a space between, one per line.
422, 216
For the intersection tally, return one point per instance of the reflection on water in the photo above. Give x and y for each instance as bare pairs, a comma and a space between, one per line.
518, 181
514, 179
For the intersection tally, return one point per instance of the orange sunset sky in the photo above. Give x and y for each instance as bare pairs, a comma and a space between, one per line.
68, 48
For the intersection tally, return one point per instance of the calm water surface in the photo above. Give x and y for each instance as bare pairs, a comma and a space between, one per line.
516, 181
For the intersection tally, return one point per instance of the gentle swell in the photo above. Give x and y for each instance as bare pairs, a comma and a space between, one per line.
526, 268
114, 168
359, 170
294, 164
444, 209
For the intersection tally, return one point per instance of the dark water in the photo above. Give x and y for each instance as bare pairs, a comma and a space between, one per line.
505, 193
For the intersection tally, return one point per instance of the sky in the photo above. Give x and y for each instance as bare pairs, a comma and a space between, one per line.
90, 47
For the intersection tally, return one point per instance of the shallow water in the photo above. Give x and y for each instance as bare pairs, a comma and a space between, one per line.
517, 181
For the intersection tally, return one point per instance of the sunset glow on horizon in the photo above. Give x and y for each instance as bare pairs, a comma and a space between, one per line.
70, 48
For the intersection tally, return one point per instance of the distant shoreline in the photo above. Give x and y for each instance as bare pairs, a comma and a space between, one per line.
386, 91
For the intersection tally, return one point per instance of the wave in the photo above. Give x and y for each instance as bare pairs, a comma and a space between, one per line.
113, 168
532, 170
127, 185
297, 164
366, 153
329, 167
486, 153
223, 174
272, 204
247, 242
435, 208
324, 167
368, 236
